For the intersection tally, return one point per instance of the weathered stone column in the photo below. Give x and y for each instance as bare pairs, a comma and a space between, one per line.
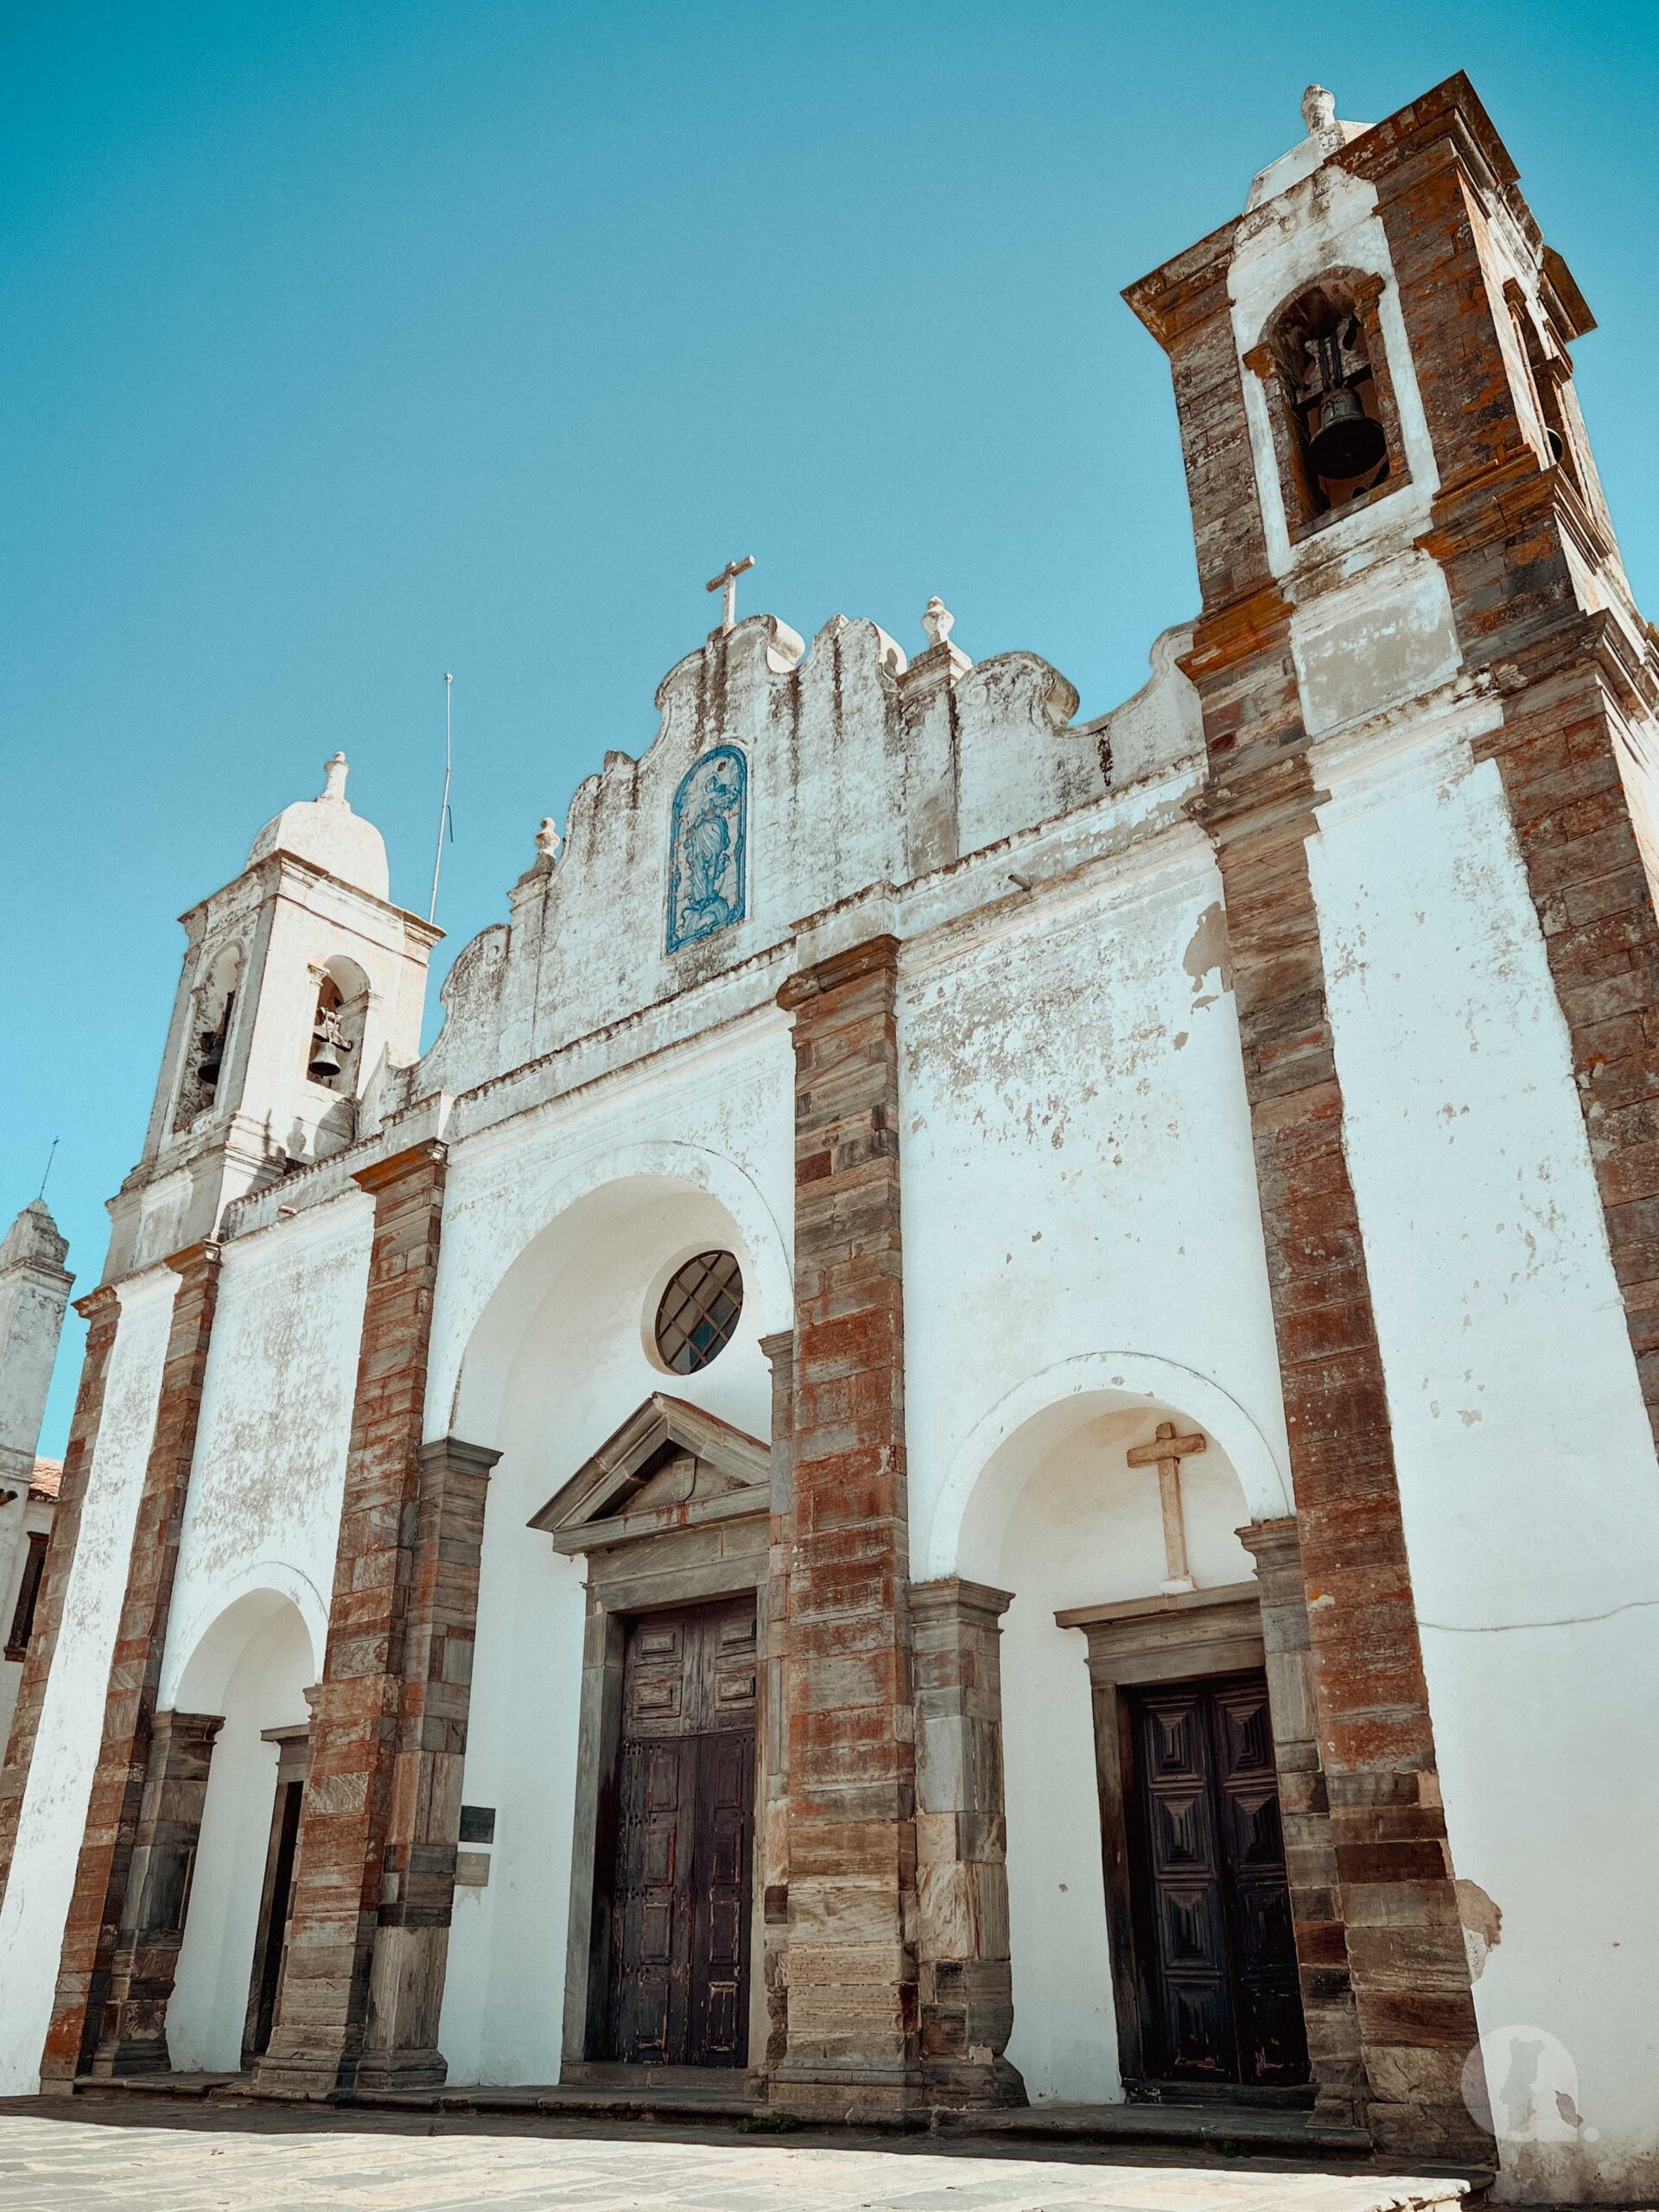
360, 1737
85, 2011
966, 1974
1326, 1986
146, 1956
853, 2024
101, 1310
773, 1840
417, 1876
1404, 1944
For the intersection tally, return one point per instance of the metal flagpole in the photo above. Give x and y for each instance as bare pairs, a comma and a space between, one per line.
443, 811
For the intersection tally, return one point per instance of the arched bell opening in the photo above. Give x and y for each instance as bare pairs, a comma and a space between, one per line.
1323, 362
334, 1054
207, 1042
253, 1666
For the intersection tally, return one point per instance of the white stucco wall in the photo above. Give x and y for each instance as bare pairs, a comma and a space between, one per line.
270, 1468
558, 1236
1082, 1245
1527, 1472
71, 1715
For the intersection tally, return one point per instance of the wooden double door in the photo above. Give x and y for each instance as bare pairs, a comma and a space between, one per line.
1219, 1997
681, 1885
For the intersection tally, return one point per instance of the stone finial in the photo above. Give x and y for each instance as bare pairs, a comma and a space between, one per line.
1319, 111
548, 839
938, 621
335, 773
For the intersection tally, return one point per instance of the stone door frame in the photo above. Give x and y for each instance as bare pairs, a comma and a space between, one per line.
1134, 1644
655, 1559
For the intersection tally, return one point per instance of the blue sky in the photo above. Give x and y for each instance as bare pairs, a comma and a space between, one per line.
346, 344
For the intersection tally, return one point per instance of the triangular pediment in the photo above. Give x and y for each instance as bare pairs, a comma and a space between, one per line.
667, 1453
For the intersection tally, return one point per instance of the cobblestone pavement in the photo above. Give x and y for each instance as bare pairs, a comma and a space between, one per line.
59, 2158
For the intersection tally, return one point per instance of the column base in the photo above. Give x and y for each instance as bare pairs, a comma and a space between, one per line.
881, 2094
876, 2093
399, 2069
973, 2084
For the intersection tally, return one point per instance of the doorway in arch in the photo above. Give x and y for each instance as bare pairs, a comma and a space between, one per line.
1215, 1948
681, 1885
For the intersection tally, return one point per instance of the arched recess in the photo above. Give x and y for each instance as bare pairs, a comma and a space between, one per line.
253, 1664
484, 1303
1043, 1503
541, 1353
202, 1654
998, 1454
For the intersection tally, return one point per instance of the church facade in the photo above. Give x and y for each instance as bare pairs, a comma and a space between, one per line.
982, 1429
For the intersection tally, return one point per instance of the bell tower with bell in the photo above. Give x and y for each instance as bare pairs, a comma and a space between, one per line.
1410, 587
300, 981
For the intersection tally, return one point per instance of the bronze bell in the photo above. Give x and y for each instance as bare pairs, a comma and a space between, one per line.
324, 1064
213, 1057
1348, 442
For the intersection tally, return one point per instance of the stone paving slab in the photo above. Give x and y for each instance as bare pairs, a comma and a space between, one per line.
55, 2158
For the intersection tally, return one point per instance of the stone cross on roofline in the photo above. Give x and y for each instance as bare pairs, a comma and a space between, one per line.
726, 582
1165, 1452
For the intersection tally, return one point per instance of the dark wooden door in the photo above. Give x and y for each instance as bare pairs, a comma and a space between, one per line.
275, 1909
1217, 1953
685, 1801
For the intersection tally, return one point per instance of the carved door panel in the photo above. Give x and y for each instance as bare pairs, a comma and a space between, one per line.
720, 1918
685, 1800
652, 1981
1219, 1992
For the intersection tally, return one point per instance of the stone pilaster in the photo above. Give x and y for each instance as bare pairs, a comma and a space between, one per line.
86, 2010
1404, 1945
146, 1956
966, 1975
773, 1838
417, 1877
853, 2023
1328, 2012
359, 1748
101, 1310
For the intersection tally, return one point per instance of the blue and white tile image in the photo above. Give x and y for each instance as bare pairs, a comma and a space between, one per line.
706, 837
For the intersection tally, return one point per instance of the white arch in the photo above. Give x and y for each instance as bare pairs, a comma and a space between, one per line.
517, 1218
1123, 1377
202, 1656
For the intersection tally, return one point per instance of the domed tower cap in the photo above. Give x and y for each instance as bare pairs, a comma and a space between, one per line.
325, 832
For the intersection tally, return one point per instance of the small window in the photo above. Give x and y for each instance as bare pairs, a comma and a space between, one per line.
22, 1620
699, 1311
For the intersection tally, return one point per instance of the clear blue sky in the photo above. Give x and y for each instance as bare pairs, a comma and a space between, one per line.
346, 343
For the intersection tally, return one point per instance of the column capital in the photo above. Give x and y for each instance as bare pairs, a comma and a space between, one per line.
451, 1451
418, 1160
876, 956
955, 1593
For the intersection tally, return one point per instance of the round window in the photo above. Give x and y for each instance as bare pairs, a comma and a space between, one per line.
699, 1311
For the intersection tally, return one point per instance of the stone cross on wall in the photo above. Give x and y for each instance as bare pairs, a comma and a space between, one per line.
1165, 1452
726, 582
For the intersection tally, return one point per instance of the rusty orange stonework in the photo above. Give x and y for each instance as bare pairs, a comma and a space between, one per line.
852, 2009
101, 1310
358, 1823
101, 2006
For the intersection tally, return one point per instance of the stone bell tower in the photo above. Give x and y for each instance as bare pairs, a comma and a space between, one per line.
300, 977
1402, 543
